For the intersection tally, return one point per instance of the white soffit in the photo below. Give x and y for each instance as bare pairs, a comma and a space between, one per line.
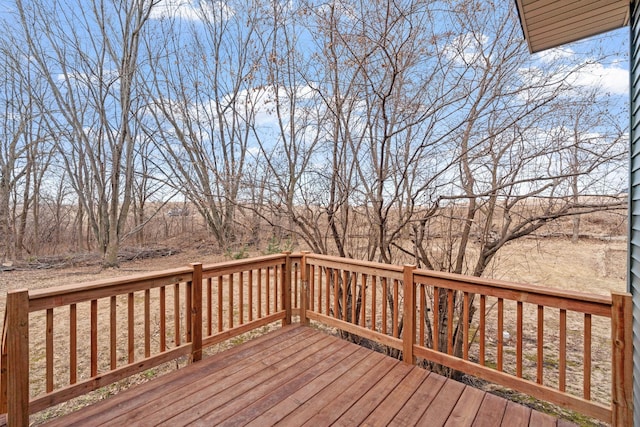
549, 23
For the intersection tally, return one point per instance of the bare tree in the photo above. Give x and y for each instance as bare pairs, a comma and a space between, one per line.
437, 145
288, 152
512, 177
89, 54
202, 98
24, 155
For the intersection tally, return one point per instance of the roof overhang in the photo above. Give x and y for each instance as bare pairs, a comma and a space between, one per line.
551, 23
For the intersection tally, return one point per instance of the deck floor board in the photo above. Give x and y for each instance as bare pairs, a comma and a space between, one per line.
297, 376
441, 407
393, 403
419, 401
466, 409
215, 388
490, 412
311, 389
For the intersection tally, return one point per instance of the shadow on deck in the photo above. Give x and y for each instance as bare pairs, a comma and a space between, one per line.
300, 376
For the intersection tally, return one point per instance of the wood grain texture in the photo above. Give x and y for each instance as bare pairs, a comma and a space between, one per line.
17, 363
301, 376
344, 280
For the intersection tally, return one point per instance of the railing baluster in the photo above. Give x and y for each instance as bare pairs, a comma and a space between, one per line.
295, 285
586, 361
209, 306
500, 333
163, 319
562, 380
327, 292
336, 294
465, 326
374, 302
320, 290
147, 323
540, 352
241, 298
94, 338
220, 304
49, 351
422, 320
436, 319
73, 344
354, 297
113, 315
312, 280
188, 312
396, 309
268, 290
259, 280
450, 321
277, 285
385, 290
519, 339
130, 329
176, 313
230, 300
482, 327
363, 302
250, 283
345, 291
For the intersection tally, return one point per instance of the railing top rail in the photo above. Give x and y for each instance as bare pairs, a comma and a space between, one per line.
557, 298
368, 267
41, 299
535, 294
227, 267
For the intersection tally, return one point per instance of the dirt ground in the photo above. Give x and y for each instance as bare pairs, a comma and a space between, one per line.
591, 265
588, 266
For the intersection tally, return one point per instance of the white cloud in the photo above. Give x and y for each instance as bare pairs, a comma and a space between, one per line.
467, 48
612, 79
605, 78
184, 9
553, 55
191, 10
85, 79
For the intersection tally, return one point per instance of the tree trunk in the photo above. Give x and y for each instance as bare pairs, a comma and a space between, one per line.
6, 252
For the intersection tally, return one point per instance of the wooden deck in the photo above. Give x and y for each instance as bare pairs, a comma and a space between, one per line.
300, 376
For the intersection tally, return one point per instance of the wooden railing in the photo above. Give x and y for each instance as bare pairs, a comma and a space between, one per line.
63, 342
518, 336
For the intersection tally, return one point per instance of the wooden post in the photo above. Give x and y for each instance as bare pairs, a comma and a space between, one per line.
18, 357
196, 313
304, 289
286, 289
3, 366
622, 359
409, 328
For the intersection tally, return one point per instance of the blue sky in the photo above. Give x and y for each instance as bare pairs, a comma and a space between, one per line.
612, 75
